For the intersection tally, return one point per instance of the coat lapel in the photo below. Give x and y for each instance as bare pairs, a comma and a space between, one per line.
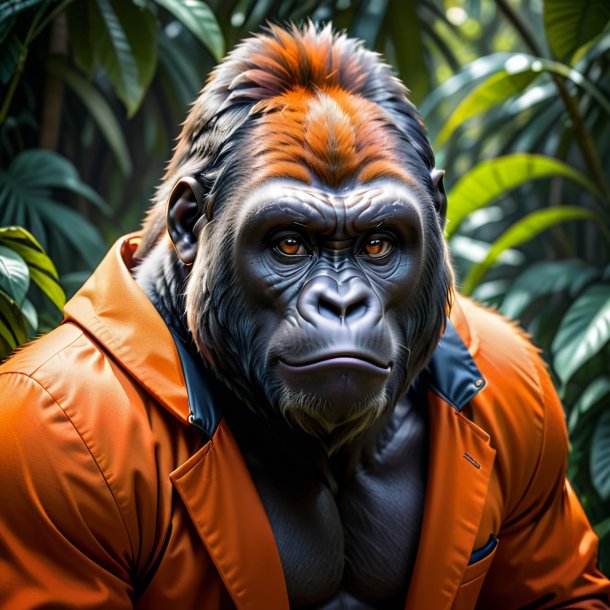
225, 507
460, 464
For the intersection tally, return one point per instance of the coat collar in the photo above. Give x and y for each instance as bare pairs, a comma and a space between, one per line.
452, 372
107, 306
214, 483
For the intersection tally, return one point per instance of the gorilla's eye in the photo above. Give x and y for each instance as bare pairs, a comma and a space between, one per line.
377, 247
291, 246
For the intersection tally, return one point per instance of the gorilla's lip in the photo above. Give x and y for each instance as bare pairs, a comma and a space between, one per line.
358, 361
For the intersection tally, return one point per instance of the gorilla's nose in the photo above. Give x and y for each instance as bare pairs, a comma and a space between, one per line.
350, 302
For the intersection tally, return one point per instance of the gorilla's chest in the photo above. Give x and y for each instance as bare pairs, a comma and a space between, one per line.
350, 542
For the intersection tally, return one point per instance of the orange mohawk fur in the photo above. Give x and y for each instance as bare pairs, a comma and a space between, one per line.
328, 134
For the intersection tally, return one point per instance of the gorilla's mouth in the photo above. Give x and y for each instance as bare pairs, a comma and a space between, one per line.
360, 362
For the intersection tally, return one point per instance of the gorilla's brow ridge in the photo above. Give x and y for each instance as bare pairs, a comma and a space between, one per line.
352, 211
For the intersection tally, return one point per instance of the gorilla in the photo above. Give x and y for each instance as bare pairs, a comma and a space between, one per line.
282, 344
314, 277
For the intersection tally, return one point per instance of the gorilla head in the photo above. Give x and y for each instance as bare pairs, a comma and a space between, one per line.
307, 223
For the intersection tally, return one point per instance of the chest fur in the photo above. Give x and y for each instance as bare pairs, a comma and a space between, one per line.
353, 538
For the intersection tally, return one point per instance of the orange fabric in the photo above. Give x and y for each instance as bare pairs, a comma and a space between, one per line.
109, 499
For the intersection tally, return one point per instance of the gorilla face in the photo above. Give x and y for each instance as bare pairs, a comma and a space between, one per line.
309, 216
321, 306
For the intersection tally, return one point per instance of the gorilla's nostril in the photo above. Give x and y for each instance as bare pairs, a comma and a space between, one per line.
329, 309
355, 311
339, 308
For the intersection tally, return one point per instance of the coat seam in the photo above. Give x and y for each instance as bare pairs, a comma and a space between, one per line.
89, 451
33, 371
540, 394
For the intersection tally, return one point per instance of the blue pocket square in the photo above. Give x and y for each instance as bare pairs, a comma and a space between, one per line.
481, 553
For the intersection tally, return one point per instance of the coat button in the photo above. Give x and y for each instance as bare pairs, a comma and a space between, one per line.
478, 383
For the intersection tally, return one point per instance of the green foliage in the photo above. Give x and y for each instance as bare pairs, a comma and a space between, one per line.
510, 78
600, 456
545, 125
570, 25
26, 194
583, 333
99, 111
518, 233
491, 179
124, 44
22, 261
491, 92
200, 20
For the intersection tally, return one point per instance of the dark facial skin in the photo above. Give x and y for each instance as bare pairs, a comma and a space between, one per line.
329, 275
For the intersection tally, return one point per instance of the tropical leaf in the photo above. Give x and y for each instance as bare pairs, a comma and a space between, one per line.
491, 179
100, 111
28, 311
84, 19
493, 91
518, 72
40, 267
534, 96
6, 27
12, 323
544, 279
584, 331
406, 36
14, 7
72, 228
14, 275
199, 18
11, 52
539, 64
544, 110
467, 76
491, 293
602, 529
44, 168
181, 78
368, 21
119, 36
570, 24
596, 395
600, 456
26, 189
520, 232
475, 251
71, 282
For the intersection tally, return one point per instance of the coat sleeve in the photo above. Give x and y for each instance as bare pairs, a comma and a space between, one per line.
547, 551
63, 541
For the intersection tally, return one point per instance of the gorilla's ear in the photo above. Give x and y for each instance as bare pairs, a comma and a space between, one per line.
439, 190
186, 215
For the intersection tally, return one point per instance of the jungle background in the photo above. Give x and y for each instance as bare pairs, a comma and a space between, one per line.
516, 97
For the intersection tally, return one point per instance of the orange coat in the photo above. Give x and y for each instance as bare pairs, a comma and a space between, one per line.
110, 499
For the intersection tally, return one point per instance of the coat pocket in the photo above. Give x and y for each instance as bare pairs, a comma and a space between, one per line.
474, 575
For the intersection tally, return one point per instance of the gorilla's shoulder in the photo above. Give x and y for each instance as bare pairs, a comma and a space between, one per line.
65, 388
519, 407
80, 447
503, 351
66, 380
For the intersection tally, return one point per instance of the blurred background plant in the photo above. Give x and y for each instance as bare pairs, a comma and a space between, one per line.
515, 94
